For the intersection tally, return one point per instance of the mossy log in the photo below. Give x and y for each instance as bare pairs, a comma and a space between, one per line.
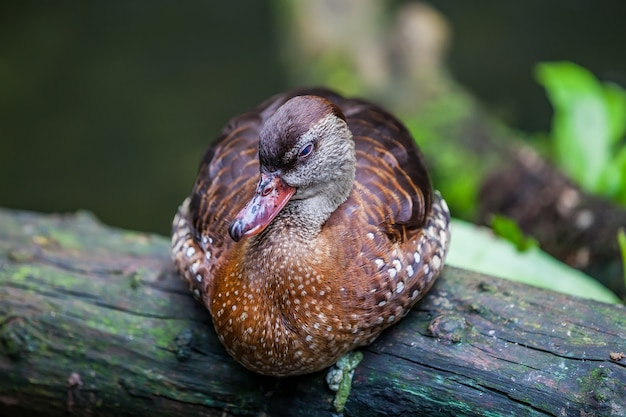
94, 321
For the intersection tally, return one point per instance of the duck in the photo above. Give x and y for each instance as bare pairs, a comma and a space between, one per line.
311, 227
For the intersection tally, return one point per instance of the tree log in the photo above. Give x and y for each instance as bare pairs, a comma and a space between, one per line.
95, 322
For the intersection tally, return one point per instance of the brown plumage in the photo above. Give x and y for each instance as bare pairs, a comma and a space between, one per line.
333, 237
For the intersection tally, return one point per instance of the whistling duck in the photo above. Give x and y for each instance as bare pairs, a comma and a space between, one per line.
311, 227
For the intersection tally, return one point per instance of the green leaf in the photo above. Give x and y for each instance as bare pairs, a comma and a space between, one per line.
581, 125
477, 249
613, 180
615, 98
621, 241
508, 229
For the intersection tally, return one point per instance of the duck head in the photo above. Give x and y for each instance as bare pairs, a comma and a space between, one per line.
307, 161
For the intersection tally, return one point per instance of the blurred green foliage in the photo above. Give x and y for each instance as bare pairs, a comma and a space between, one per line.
621, 241
588, 128
508, 229
456, 172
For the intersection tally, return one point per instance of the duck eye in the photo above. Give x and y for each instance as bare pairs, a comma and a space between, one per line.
306, 151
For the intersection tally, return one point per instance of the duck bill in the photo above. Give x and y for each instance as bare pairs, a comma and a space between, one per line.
271, 196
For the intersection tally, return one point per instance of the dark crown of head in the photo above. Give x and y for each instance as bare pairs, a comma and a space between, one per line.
283, 129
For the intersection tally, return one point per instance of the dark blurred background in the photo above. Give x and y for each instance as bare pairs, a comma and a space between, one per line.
108, 106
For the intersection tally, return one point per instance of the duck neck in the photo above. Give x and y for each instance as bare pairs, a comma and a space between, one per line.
308, 215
